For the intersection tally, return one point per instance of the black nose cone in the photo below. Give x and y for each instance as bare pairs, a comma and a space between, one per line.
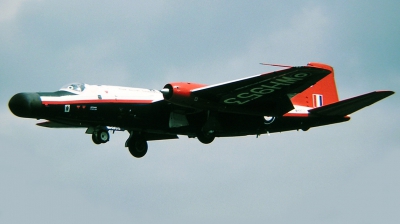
25, 105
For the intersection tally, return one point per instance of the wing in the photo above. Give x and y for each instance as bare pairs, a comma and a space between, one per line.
265, 94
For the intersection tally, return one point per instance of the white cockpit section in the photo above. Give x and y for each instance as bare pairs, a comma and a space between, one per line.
114, 93
74, 87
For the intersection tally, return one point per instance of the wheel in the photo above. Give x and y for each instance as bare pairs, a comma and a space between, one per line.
205, 137
138, 148
101, 136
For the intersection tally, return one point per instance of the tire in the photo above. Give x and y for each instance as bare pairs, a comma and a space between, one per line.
100, 137
205, 138
138, 148
95, 139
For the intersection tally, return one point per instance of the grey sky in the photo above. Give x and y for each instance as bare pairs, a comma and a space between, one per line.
345, 173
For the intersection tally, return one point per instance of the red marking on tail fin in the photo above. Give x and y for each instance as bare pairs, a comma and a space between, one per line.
325, 90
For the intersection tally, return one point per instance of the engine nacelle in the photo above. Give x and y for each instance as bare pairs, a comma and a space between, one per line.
180, 93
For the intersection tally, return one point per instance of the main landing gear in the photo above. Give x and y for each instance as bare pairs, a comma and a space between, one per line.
207, 132
205, 137
138, 148
137, 145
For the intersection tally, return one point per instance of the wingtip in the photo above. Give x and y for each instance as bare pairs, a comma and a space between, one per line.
385, 92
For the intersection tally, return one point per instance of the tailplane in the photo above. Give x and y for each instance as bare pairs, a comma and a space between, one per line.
323, 98
348, 106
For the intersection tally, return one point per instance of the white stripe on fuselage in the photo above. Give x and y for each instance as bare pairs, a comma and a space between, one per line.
108, 93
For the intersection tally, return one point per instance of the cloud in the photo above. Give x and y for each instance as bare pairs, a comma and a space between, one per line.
9, 9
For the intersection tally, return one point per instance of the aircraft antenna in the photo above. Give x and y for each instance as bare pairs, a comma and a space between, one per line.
277, 65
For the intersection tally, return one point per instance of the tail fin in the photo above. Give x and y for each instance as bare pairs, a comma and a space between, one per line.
324, 92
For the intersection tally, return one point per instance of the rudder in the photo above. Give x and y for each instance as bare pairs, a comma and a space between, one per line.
324, 92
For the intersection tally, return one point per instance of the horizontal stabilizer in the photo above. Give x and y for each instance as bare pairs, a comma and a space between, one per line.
348, 106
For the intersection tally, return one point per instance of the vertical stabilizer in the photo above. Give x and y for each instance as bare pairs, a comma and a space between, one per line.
324, 92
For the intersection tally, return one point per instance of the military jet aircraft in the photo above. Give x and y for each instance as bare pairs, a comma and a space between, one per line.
293, 98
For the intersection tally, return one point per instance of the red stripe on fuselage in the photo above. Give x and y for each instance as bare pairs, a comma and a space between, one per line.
295, 115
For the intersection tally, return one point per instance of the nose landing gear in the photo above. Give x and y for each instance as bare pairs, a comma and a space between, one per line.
100, 136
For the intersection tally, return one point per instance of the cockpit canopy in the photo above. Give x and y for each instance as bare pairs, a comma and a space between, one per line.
74, 87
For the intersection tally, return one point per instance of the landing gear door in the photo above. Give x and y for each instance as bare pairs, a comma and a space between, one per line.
177, 120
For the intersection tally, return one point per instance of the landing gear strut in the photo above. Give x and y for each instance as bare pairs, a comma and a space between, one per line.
207, 133
100, 136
